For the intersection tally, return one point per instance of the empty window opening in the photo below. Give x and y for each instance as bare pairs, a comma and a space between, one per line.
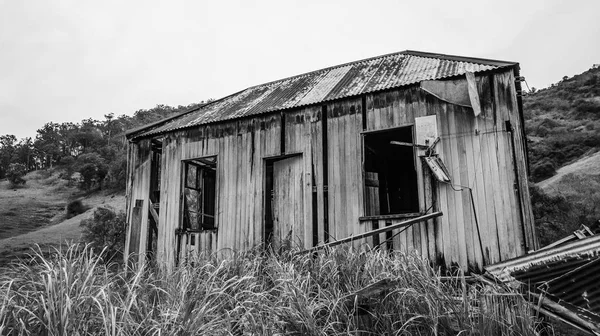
390, 175
199, 194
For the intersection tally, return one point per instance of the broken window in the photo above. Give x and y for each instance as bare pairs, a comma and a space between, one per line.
199, 194
390, 174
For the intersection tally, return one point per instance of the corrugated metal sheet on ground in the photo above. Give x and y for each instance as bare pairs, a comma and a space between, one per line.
568, 275
371, 75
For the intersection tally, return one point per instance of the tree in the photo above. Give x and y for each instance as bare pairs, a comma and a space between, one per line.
24, 153
7, 152
47, 144
93, 170
15, 173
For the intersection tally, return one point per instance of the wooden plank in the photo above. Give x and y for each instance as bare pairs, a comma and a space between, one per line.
131, 149
505, 170
304, 139
134, 240
317, 167
246, 195
374, 232
333, 172
451, 236
467, 129
421, 238
341, 167
428, 205
455, 170
490, 225
495, 185
520, 153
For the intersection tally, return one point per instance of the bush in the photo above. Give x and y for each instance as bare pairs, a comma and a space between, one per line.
106, 230
75, 208
542, 170
587, 108
15, 174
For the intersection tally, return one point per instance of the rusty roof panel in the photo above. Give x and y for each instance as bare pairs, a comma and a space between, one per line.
566, 256
321, 89
351, 79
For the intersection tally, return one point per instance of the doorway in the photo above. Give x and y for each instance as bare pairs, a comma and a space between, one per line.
284, 203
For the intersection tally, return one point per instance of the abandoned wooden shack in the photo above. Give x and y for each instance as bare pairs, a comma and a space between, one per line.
338, 152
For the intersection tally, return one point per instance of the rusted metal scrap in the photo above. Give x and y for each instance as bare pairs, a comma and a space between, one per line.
562, 281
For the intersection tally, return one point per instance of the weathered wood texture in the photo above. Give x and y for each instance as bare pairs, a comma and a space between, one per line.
344, 157
288, 204
194, 244
137, 192
478, 152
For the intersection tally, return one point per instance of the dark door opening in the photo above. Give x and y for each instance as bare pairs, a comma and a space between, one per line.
391, 177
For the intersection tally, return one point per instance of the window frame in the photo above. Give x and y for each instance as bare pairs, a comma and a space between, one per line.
202, 166
415, 156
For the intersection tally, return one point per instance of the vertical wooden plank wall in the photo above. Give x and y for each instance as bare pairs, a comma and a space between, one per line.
303, 135
240, 147
344, 156
399, 108
506, 92
138, 188
478, 154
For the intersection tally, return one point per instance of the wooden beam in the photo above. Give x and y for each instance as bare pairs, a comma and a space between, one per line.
153, 213
374, 232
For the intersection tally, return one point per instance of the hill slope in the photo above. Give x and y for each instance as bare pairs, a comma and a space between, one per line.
563, 131
584, 169
563, 122
35, 214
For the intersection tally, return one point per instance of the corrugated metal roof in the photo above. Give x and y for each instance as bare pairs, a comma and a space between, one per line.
346, 80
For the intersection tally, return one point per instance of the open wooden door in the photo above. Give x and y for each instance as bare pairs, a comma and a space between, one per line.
287, 204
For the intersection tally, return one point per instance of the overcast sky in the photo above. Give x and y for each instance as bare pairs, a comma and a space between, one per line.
67, 60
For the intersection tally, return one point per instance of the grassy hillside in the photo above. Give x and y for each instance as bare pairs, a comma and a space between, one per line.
563, 129
563, 122
38, 203
35, 213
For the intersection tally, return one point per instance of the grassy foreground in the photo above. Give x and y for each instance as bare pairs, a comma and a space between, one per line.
74, 293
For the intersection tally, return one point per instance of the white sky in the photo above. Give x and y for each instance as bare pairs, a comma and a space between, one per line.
67, 60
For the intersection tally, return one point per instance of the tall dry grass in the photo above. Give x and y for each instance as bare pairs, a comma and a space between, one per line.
74, 293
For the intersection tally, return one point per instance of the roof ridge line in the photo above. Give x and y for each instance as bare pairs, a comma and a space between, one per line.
458, 58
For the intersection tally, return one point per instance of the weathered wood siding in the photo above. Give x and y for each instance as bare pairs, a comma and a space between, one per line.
394, 109
139, 157
240, 147
478, 153
344, 155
